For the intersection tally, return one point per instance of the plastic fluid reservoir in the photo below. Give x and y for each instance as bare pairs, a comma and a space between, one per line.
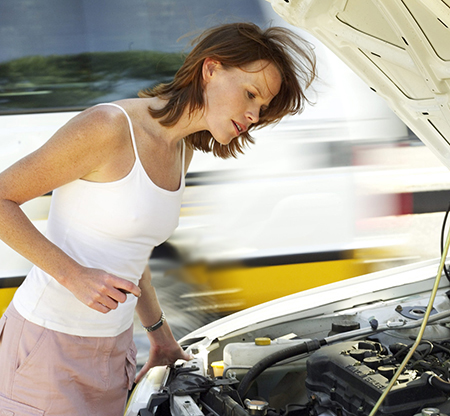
249, 353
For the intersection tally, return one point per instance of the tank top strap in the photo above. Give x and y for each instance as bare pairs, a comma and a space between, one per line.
183, 150
130, 124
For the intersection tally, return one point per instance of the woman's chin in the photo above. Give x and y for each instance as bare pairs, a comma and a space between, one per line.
224, 142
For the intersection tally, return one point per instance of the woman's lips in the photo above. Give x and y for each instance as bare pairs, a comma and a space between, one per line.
238, 127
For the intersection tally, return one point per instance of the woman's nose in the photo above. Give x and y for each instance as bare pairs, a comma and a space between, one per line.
253, 115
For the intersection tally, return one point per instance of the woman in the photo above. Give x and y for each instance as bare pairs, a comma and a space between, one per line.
117, 171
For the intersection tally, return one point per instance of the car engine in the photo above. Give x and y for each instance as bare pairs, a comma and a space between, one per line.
348, 378
309, 377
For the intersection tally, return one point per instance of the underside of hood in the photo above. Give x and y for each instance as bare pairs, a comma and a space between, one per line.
400, 48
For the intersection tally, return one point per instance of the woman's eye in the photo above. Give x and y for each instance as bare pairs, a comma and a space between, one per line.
251, 95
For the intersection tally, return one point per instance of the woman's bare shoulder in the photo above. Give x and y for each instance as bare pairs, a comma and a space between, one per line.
101, 122
81, 147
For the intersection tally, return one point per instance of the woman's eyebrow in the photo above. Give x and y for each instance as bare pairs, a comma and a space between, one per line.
269, 98
258, 90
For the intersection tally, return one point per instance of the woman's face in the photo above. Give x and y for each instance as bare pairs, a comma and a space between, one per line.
235, 97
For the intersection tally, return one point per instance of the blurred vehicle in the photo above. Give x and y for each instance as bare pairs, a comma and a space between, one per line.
290, 210
257, 231
377, 344
289, 207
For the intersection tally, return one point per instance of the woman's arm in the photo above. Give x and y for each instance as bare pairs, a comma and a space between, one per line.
164, 349
83, 148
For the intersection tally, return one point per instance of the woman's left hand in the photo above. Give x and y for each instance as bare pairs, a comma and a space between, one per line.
164, 349
163, 355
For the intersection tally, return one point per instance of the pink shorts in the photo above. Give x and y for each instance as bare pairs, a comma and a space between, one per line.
44, 372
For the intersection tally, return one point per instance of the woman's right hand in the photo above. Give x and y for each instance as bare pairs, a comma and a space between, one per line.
100, 290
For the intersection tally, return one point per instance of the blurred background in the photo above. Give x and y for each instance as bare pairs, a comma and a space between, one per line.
341, 190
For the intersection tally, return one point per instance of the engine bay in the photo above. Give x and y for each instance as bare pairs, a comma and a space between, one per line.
335, 364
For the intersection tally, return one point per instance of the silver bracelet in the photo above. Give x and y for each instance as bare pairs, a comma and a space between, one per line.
156, 326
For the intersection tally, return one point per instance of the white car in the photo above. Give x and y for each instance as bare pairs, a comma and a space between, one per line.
377, 344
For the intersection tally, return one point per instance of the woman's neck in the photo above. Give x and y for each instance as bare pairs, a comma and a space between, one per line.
185, 126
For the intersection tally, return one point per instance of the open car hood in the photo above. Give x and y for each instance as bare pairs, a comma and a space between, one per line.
400, 48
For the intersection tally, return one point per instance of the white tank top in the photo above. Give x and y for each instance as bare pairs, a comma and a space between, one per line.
111, 226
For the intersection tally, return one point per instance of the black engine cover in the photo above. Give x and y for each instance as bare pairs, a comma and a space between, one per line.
343, 382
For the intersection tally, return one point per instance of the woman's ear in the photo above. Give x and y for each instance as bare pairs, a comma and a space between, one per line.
210, 66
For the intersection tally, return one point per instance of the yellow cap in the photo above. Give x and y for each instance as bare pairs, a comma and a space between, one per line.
218, 368
262, 341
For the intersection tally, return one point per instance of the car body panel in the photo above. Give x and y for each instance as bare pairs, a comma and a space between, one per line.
380, 286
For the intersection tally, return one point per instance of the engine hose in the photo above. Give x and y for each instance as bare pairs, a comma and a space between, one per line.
274, 358
440, 384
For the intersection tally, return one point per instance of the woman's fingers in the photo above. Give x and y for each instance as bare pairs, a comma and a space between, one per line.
126, 287
102, 291
143, 372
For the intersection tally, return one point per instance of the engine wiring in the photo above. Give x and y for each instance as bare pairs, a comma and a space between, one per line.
429, 356
411, 352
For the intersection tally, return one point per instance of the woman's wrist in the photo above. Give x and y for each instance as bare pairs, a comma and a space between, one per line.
156, 325
68, 268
